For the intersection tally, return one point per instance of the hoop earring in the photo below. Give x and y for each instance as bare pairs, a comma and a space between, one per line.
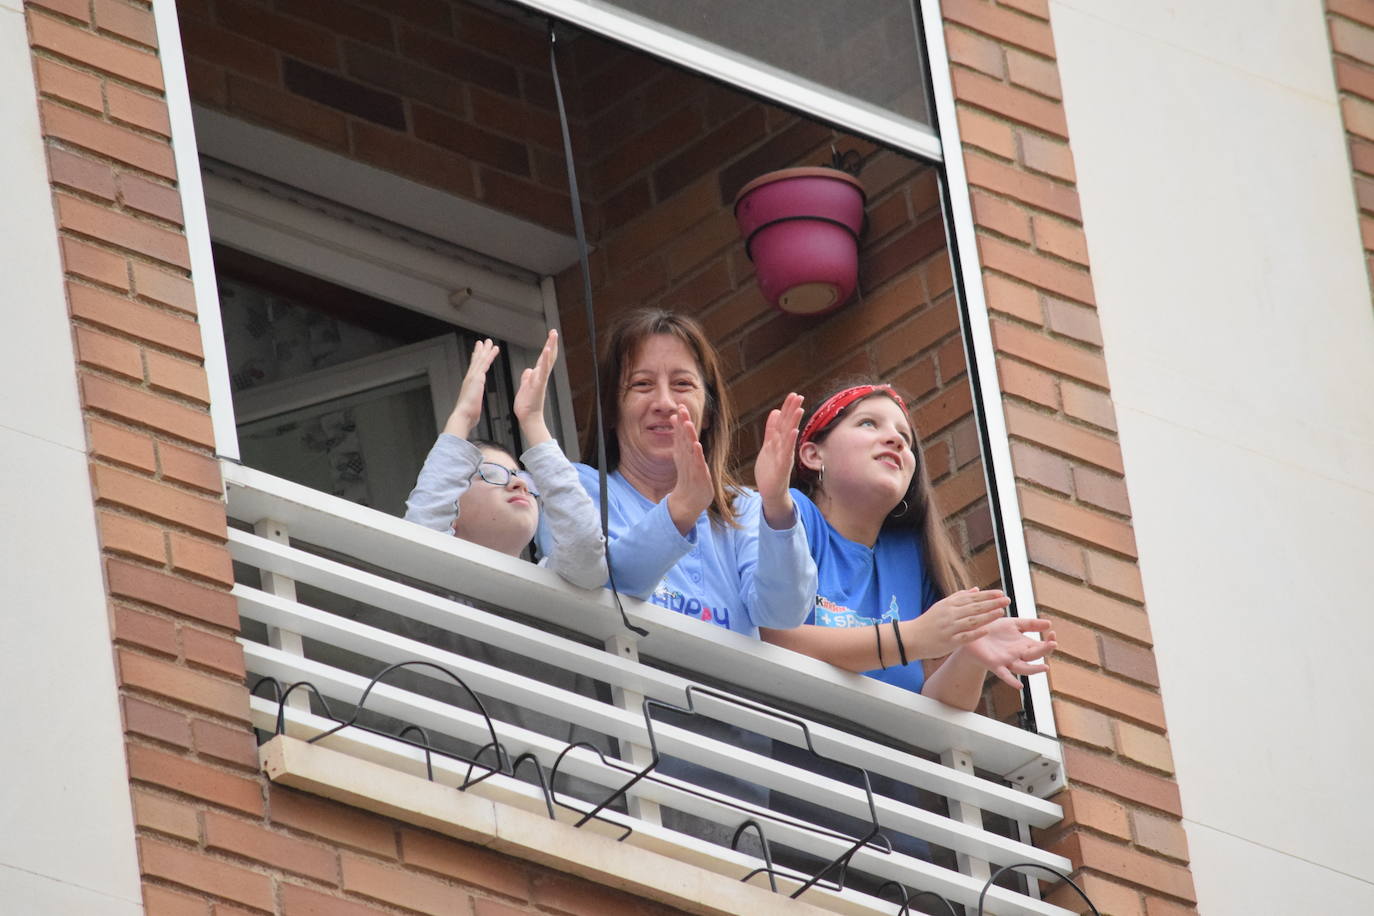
905, 507
820, 475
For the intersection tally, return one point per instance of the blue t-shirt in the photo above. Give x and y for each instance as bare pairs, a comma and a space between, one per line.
859, 586
737, 578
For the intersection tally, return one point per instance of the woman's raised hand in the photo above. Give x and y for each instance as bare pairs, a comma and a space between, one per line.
529, 398
953, 621
468, 410
1006, 651
773, 467
693, 491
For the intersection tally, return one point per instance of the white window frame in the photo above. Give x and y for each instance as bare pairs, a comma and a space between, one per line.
603, 19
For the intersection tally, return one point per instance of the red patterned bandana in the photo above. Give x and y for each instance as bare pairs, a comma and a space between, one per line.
837, 402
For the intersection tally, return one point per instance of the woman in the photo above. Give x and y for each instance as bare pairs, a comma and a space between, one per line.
892, 587
684, 533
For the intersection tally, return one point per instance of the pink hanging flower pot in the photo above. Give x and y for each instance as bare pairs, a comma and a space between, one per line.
801, 229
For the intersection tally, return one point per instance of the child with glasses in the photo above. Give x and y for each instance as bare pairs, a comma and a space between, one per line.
475, 489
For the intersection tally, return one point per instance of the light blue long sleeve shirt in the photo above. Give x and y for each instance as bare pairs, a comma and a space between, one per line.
738, 578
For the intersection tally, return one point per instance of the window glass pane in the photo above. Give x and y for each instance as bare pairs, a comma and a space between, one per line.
863, 49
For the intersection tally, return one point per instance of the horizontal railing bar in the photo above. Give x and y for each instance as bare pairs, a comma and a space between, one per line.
600, 665
469, 726
621, 724
494, 578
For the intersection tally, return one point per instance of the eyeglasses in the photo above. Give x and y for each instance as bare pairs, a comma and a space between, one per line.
498, 475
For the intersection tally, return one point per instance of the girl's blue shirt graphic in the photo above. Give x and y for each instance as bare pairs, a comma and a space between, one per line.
858, 586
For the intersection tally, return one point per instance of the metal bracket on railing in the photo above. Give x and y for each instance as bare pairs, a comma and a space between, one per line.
907, 898
1041, 777
503, 765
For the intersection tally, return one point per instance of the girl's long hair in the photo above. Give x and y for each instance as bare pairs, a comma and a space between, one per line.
626, 335
943, 558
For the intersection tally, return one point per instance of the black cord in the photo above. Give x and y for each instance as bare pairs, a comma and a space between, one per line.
901, 648
591, 324
878, 635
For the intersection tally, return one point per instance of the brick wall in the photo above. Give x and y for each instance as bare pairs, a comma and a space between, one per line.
1351, 23
214, 837
1122, 827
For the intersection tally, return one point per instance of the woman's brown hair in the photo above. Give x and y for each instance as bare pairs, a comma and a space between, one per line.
626, 335
917, 509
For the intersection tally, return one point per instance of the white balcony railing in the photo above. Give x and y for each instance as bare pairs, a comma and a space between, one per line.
976, 764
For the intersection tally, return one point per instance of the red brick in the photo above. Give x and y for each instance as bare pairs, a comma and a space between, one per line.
1129, 660
1075, 640
1098, 812
1358, 116
1009, 296
1009, 102
1056, 355
127, 20
408, 157
1079, 723
112, 354
149, 197
163, 287
178, 376
1023, 381
1035, 190
576, 895
68, 169
115, 444
703, 242
1115, 575
337, 823
1123, 862
1064, 557
1037, 8
1000, 216
211, 650
141, 407
183, 685
278, 850
95, 263
132, 627
1158, 906
1352, 39
998, 22
119, 143
194, 869
122, 231
917, 379
977, 52
55, 79
75, 9
304, 901
1121, 698
133, 64
1106, 491
301, 40
172, 593
1046, 469
1077, 521
1062, 436
156, 722
195, 778
1121, 780
1091, 607
317, 123
465, 863
668, 220
947, 407
166, 815
1145, 746
1067, 241
122, 534
1073, 320
1043, 154
208, 44
160, 501
162, 901
345, 19
1089, 405
191, 468
961, 490
1034, 73
139, 109
1362, 155
1066, 280
1108, 896
231, 745
926, 327
135, 319
379, 881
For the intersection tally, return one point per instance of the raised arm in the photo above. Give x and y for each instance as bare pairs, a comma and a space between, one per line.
452, 461
1004, 649
576, 550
